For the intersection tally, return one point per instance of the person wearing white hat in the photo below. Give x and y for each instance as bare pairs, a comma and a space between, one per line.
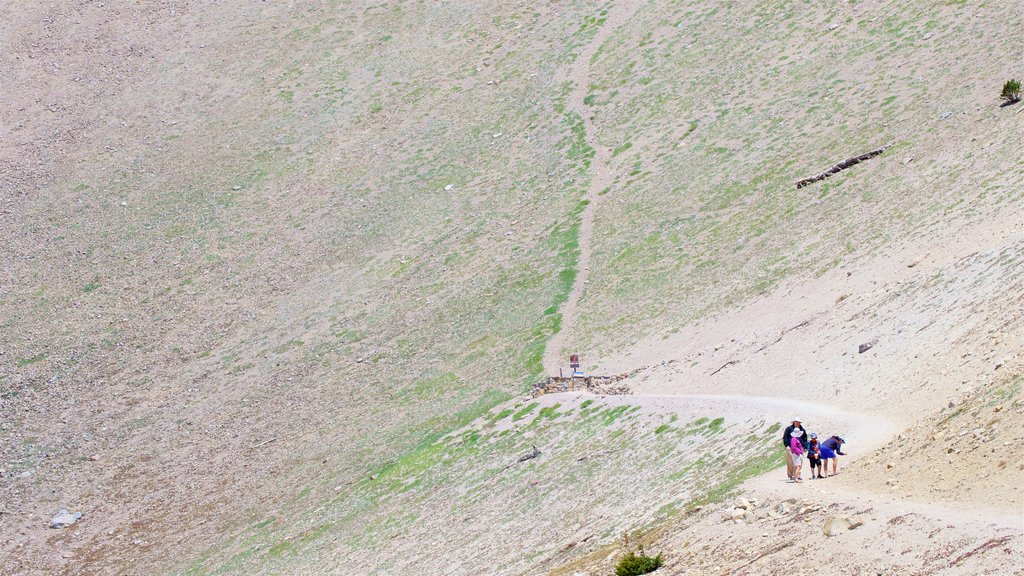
796, 446
786, 438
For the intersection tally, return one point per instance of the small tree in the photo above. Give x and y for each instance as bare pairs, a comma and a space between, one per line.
1011, 91
635, 562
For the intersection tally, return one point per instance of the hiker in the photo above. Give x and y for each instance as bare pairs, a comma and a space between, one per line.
814, 456
829, 449
786, 437
796, 447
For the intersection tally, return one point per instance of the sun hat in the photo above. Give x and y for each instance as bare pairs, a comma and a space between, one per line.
814, 435
797, 419
841, 439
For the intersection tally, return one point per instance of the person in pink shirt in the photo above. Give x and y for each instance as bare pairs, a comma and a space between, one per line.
797, 448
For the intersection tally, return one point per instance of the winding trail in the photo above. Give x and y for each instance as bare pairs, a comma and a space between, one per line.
871, 430
600, 176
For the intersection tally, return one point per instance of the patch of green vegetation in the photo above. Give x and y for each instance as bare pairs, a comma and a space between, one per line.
637, 563
769, 458
500, 416
622, 148
715, 426
436, 386
266, 522
349, 336
610, 415
524, 411
20, 362
289, 345
548, 413
576, 142
92, 286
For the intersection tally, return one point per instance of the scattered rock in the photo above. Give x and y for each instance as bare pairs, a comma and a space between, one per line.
743, 503
867, 346
64, 519
836, 524
890, 465
736, 514
833, 525
832, 27
927, 36
945, 115
530, 456
449, 187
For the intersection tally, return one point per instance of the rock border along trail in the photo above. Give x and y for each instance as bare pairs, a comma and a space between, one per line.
579, 74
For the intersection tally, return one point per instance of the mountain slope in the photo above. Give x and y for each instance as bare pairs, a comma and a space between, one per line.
277, 276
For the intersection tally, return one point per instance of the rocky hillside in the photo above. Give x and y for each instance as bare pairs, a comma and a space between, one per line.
278, 278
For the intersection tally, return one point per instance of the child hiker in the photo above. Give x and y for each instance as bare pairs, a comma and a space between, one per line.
814, 457
797, 448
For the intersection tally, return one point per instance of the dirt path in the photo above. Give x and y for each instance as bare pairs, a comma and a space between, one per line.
870, 429
600, 177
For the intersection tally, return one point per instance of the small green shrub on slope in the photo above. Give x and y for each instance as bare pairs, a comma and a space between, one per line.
637, 563
1011, 91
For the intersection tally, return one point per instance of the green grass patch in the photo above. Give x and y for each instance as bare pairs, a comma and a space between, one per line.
524, 412
20, 362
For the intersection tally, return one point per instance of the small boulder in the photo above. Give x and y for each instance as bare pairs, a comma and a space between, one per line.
836, 524
64, 519
743, 503
867, 346
736, 514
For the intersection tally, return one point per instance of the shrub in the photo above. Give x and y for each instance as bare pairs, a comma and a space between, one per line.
637, 563
1011, 91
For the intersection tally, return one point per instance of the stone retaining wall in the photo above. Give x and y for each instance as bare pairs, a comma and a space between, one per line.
594, 384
